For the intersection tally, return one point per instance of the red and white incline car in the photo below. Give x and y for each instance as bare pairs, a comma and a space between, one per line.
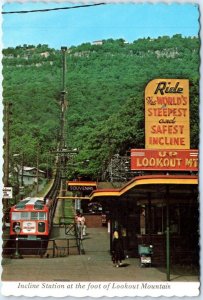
30, 218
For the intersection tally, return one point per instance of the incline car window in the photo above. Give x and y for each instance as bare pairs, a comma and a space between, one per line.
16, 216
42, 216
34, 216
25, 215
38, 216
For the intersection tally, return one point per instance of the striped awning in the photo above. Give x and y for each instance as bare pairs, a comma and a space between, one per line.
148, 183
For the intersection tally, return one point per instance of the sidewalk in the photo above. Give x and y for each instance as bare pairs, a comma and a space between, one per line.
94, 265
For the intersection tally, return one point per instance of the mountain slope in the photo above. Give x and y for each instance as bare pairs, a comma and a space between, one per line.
105, 85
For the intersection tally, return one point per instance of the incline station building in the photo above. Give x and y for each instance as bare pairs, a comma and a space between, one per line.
160, 207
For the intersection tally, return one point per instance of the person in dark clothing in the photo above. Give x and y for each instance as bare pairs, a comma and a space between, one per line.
117, 250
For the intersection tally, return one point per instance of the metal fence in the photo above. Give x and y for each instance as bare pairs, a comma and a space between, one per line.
59, 247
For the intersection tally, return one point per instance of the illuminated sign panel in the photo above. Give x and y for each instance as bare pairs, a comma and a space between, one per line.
81, 186
176, 160
167, 123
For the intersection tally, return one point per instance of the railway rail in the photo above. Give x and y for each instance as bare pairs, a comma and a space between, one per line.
53, 193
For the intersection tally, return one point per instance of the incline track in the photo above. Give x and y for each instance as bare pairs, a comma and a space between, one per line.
62, 242
34, 247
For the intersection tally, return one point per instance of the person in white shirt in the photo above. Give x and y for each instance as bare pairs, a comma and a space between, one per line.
80, 222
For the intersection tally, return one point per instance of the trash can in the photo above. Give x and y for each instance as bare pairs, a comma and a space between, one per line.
145, 252
145, 249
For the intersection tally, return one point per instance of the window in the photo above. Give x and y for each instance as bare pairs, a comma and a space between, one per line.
25, 215
41, 227
29, 216
38, 216
42, 216
34, 216
155, 219
16, 216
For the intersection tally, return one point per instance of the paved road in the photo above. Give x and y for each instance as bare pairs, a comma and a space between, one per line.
95, 265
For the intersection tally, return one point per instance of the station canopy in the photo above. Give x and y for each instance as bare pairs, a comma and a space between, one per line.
176, 187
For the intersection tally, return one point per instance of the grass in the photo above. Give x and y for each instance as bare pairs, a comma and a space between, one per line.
68, 209
45, 189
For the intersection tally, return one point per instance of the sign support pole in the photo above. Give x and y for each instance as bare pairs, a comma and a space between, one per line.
167, 236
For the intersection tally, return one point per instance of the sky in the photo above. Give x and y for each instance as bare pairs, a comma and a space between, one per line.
81, 25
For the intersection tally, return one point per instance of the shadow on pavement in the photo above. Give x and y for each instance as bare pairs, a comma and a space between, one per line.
124, 265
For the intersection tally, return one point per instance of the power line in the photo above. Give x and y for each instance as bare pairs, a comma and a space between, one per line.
50, 9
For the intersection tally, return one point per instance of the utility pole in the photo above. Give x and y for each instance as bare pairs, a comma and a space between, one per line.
63, 156
20, 172
63, 151
22, 169
22, 175
37, 174
63, 98
6, 148
167, 235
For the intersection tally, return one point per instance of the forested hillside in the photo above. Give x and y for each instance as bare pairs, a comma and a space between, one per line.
105, 84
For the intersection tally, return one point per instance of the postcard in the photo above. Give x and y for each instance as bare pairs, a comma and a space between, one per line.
100, 148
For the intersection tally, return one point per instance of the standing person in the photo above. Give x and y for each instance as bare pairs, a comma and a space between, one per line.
83, 226
77, 219
80, 223
117, 250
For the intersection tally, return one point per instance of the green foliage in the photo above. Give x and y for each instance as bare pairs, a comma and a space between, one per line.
105, 85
